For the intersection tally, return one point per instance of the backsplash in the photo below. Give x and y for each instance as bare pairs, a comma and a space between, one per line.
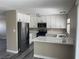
50, 31
56, 31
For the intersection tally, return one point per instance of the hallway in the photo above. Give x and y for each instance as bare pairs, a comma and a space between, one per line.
2, 44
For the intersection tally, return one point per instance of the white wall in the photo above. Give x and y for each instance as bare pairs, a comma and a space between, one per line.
2, 27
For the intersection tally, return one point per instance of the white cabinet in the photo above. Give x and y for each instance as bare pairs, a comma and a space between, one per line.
19, 17
43, 19
53, 21
27, 18
56, 21
33, 22
39, 19
48, 21
23, 18
61, 21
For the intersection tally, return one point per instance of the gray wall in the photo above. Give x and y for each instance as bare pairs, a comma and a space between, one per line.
77, 37
73, 16
2, 27
73, 26
12, 41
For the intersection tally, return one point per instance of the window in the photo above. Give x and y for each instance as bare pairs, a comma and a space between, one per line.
68, 25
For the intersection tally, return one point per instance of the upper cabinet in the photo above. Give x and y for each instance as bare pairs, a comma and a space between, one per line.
43, 19
55, 21
60, 21
23, 17
33, 21
48, 21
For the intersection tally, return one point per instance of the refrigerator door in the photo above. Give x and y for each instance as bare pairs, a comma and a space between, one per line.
23, 36
27, 34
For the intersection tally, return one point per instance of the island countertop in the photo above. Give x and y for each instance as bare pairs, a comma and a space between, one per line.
54, 40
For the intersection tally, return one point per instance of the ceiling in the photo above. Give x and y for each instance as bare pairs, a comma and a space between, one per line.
42, 7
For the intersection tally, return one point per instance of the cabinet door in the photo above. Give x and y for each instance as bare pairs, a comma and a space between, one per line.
48, 21
38, 19
58, 22
33, 22
23, 18
26, 18
43, 19
20, 17
53, 21
61, 20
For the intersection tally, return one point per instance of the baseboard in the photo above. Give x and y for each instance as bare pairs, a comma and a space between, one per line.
11, 51
44, 57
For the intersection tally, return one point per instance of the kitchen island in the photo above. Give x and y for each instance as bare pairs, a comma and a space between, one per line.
53, 47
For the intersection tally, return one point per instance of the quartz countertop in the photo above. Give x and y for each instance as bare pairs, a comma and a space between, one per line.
54, 40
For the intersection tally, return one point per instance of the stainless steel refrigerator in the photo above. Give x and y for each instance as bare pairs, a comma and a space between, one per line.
23, 36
